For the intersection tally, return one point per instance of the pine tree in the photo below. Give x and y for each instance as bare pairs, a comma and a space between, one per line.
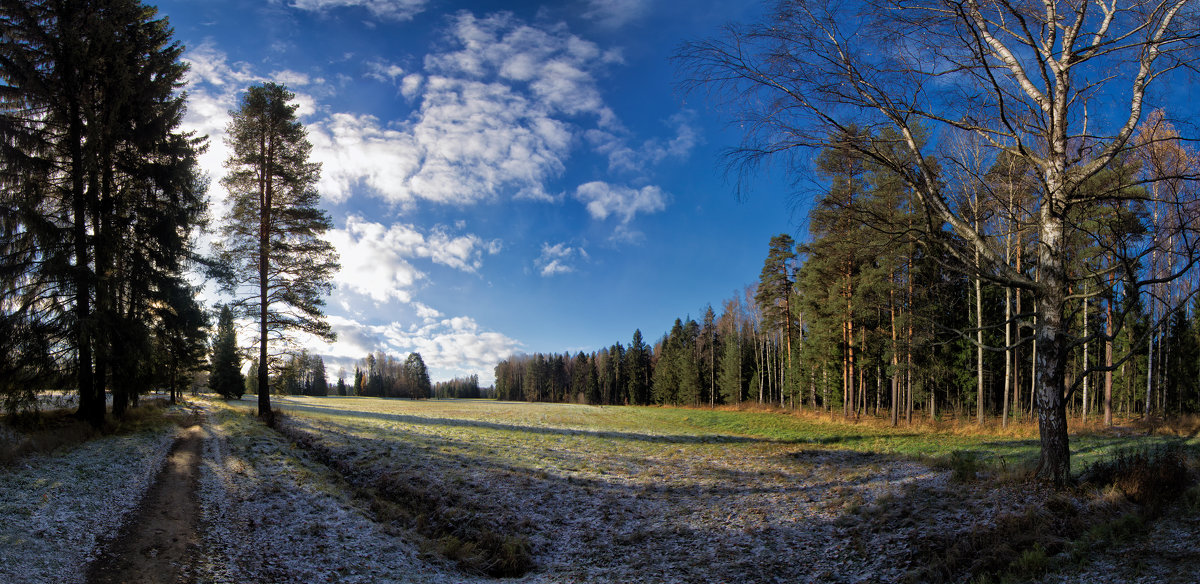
281, 268
638, 374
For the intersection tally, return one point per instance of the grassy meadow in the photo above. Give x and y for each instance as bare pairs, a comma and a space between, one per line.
514, 489
351, 489
1016, 446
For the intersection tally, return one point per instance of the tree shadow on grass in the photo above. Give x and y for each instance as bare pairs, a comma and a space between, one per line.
460, 423
688, 519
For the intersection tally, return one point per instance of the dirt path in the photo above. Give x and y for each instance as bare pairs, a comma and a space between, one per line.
159, 543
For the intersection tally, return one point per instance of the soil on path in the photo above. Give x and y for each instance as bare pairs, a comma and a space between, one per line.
159, 542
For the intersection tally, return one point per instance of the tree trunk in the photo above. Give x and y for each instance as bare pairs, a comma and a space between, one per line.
1086, 375
895, 362
264, 245
1108, 362
1008, 355
1055, 460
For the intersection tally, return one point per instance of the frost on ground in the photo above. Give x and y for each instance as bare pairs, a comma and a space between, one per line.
269, 514
600, 506
57, 509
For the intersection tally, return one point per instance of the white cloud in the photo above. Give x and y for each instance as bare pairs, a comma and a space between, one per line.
385, 9
426, 313
557, 259
384, 71
603, 199
375, 258
291, 78
411, 85
615, 13
497, 114
357, 150
450, 347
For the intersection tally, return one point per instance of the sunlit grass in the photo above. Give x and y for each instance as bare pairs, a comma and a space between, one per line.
578, 425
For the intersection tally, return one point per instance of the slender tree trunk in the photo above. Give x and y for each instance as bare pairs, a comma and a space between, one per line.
978, 342
979, 349
1016, 387
1149, 367
1008, 355
895, 378
1086, 376
1108, 362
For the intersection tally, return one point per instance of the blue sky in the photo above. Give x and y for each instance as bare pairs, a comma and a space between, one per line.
502, 177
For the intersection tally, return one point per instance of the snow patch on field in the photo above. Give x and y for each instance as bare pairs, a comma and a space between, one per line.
56, 510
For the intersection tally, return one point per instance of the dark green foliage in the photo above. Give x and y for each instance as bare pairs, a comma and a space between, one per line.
381, 375
101, 192
280, 267
225, 374
459, 388
302, 374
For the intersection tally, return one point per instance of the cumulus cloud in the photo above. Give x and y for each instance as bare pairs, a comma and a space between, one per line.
603, 200
384, 9
558, 258
497, 113
356, 150
376, 258
383, 71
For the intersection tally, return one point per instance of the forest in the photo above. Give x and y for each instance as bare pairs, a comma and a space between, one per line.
996, 252
863, 318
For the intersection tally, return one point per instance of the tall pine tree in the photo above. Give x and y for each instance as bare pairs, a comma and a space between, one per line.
282, 268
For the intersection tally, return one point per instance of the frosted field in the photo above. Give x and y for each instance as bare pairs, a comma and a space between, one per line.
372, 490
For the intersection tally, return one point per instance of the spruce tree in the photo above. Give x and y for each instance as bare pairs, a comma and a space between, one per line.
225, 376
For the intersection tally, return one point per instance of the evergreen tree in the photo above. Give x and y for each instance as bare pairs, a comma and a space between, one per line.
106, 187
281, 268
225, 374
638, 359
417, 376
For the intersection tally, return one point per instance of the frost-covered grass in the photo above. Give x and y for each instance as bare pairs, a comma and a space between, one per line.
1017, 446
628, 494
57, 508
271, 514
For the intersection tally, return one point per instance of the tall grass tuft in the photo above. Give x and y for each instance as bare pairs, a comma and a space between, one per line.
1152, 475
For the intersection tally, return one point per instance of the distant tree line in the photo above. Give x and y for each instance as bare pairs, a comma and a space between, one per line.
462, 388
382, 375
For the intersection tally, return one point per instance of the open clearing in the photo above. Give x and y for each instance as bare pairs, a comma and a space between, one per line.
371, 490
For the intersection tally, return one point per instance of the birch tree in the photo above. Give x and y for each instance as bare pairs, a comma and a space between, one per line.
1060, 85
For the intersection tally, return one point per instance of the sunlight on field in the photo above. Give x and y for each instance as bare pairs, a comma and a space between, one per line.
532, 491
699, 426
